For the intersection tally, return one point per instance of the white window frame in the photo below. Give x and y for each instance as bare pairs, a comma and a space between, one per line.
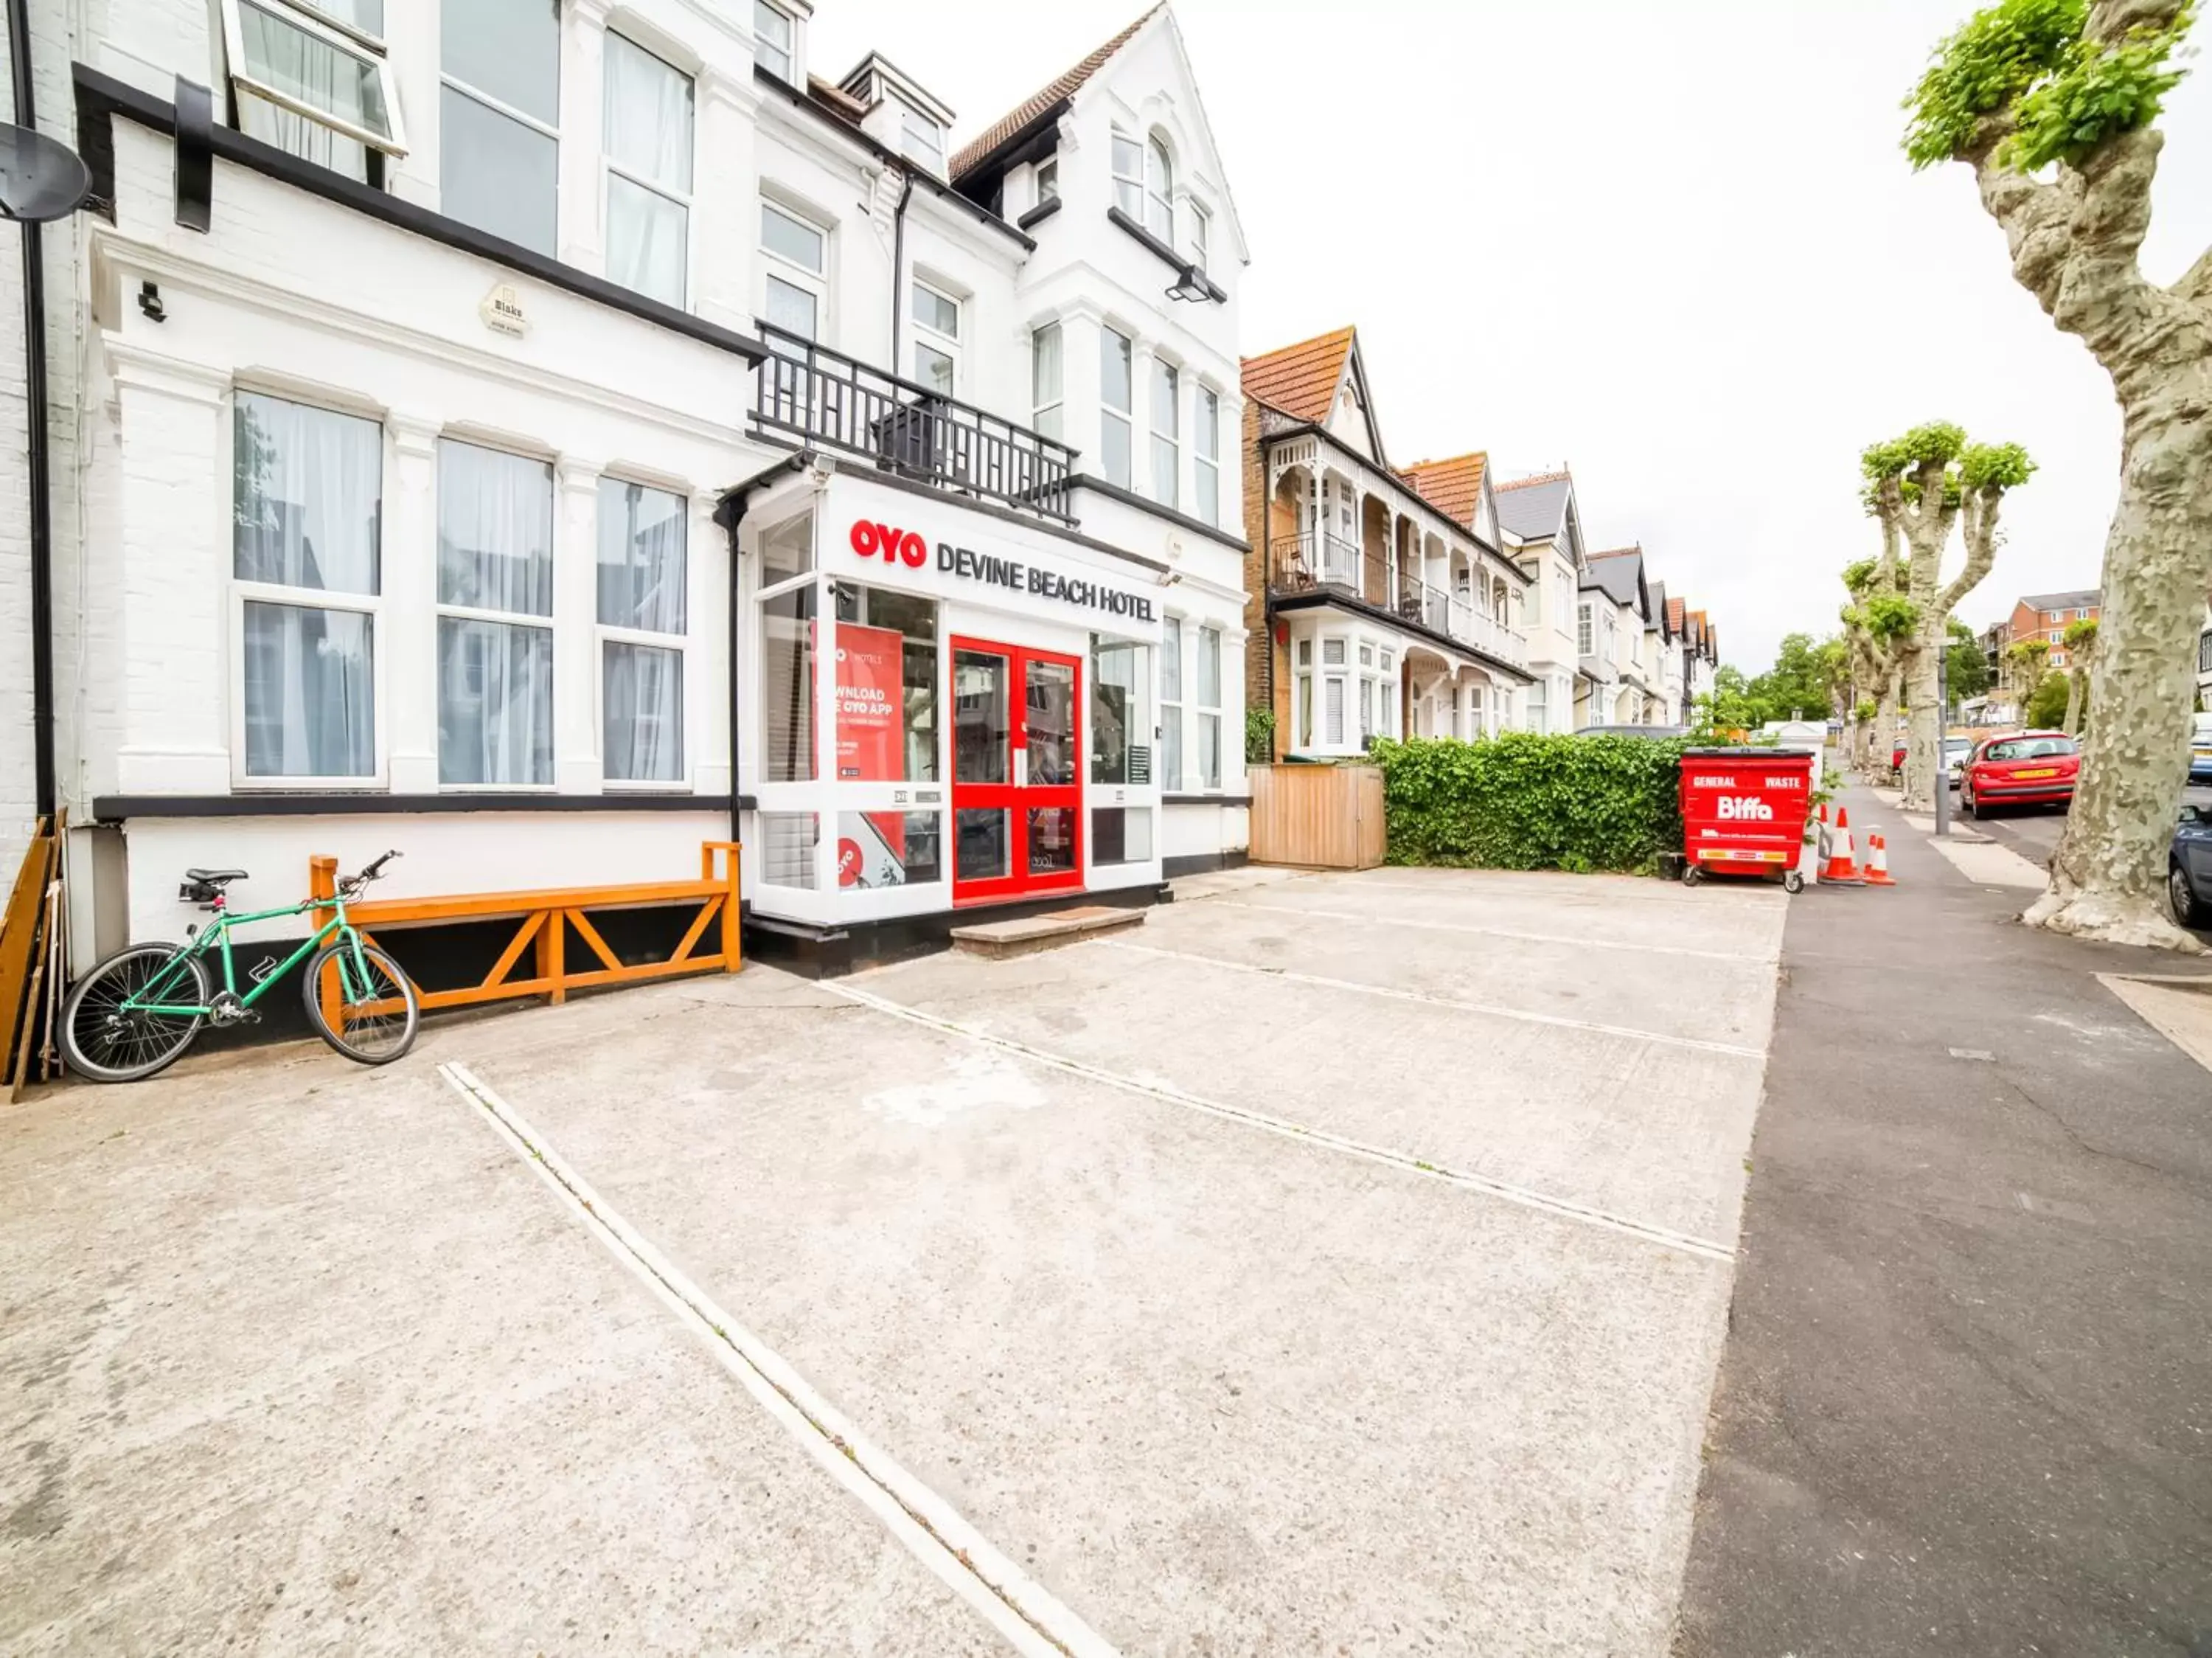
1585, 630
354, 42
606, 633
945, 345
1209, 639
1048, 181
1039, 407
777, 264
789, 73
243, 593
1129, 186
500, 107
1167, 376
1126, 416
1201, 232
912, 123
1172, 633
1205, 455
549, 623
1160, 188
610, 168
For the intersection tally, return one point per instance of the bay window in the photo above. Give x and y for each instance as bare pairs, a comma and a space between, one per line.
787, 657
648, 163
1128, 176
641, 633
1117, 406
1167, 450
1048, 381
1121, 712
1171, 704
495, 617
312, 80
306, 508
1159, 190
499, 112
1209, 708
1205, 444
1201, 235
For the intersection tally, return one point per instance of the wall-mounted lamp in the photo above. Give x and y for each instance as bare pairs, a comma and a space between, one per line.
149, 302
1190, 286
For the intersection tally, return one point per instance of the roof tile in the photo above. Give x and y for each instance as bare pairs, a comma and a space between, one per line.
965, 159
1299, 380
1451, 486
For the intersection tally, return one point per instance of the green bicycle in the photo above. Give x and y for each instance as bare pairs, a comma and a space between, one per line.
140, 1008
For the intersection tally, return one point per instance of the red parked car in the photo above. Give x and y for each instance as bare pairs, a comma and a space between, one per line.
2021, 768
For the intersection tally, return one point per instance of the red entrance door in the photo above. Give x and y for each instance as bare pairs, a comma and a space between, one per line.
1017, 772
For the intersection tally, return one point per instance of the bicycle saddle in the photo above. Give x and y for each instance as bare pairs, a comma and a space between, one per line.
214, 877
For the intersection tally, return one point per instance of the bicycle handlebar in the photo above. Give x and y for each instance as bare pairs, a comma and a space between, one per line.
354, 883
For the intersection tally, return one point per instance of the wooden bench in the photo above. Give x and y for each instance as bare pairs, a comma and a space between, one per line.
543, 920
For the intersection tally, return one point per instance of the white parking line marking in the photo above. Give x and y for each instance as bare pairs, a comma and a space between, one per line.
1560, 1208
1496, 932
1031, 1619
1735, 1050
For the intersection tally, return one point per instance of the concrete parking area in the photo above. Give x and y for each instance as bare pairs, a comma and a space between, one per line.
1336, 1264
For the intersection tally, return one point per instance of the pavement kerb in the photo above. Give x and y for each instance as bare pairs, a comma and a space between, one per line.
1031, 1619
1559, 1208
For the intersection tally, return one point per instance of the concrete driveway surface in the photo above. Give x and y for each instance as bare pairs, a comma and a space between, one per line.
1336, 1264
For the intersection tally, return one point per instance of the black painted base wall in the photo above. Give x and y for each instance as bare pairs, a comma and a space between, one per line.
1204, 863
833, 952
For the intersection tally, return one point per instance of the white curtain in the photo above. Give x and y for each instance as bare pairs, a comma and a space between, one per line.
494, 702
495, 530
640, 558
307, 496
648, 137
310, 709
317, 74
644, 699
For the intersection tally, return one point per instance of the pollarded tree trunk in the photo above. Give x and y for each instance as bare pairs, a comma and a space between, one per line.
1923, 758
2071, 724
2074, 241
1885, 726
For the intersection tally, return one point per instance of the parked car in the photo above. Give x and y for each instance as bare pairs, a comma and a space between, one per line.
1634, 731
2189, 868
2021, 768
1957, 751
2200, 750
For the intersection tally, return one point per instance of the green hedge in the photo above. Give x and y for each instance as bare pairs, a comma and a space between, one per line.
1520, 800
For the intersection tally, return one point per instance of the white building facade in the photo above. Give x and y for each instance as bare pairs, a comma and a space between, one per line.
447, 384
1541, 528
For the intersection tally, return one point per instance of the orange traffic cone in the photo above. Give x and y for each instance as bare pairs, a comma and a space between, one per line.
1843, 856
1877, 869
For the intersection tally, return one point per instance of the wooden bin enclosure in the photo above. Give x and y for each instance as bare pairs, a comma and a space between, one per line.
545, 922
1317, 817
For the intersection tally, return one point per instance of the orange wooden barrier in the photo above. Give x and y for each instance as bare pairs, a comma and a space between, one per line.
544, 919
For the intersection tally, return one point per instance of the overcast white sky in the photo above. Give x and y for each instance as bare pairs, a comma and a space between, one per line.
1674, 244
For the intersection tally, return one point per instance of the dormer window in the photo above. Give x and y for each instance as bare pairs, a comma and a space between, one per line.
774, 40
922, 139
1048, 181
313, 81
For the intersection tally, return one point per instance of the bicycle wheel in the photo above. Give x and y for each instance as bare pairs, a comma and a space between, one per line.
103, 1040
372, 1023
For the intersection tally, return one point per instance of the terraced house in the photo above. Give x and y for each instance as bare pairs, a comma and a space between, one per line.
544, 437
1380, 602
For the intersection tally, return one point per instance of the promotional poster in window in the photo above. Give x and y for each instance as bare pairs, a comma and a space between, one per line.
871, 741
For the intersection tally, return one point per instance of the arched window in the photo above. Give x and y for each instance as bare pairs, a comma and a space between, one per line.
1159, 190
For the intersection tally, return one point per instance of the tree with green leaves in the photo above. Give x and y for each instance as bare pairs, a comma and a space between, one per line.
2045, 710
2031, 662
2080, 653
1966, 666
2053, 104
1920, 486
1728, 706
1801, 684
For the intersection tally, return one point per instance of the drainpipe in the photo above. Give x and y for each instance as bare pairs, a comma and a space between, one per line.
898, 257
34, 402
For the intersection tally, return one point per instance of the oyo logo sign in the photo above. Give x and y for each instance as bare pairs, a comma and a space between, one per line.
892, 545
1748, 809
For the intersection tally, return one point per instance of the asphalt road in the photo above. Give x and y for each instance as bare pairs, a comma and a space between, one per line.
2033, 831
1965, 1406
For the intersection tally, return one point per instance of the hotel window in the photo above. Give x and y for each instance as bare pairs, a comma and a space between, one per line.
1129, 176
1121, 712
498, 112
1171, 704
886, 649
1159, 190
1201, 235
1167, 449
1048, 380
495, 617
648, 160
641, 633
306, 518
787, 657
921, 138
797, 270
1209, 708
936, 339
1205, 444
1117, 399
774, 40
312, 80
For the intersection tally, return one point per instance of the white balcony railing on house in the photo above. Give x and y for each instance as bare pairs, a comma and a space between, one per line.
819, 397
1308, 563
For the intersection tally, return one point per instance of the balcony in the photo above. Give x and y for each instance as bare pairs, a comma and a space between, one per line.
824, 399
1302, 565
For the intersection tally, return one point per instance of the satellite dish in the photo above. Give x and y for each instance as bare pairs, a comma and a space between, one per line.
41, 178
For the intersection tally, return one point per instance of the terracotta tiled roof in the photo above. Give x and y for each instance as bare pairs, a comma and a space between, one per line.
1299, 380
1451, 486
1675, 609
1066, 86
1619, 552
1541, 477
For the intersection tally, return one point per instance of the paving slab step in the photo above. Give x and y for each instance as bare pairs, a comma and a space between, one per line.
998, 940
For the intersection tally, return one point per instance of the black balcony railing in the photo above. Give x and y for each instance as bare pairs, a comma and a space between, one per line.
828, 399
1310, 563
